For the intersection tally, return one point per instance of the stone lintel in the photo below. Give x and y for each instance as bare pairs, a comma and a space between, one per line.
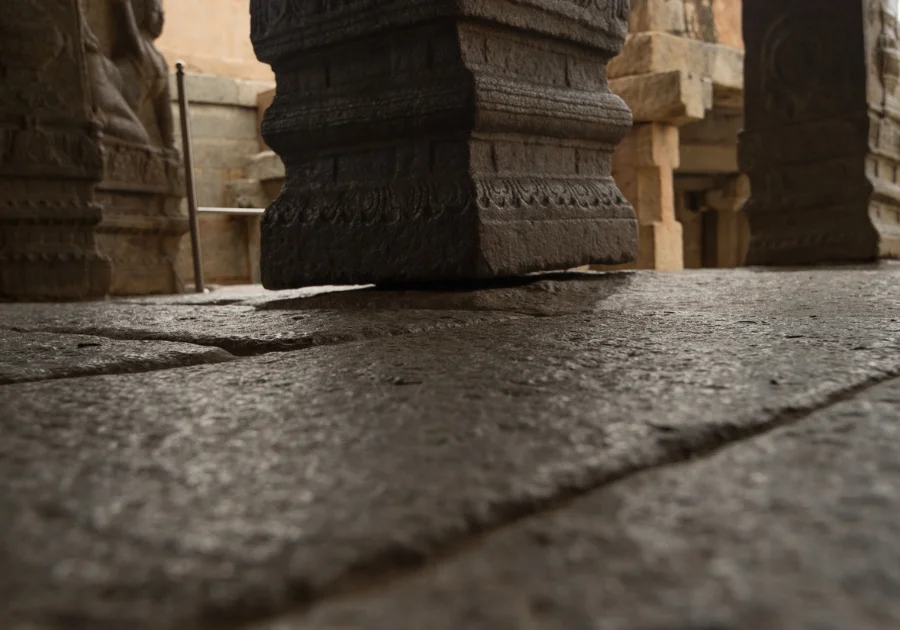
645, 53
674, 97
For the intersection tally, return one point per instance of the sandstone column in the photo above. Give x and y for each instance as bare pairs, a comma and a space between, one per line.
822, 130
442, 139
644, 167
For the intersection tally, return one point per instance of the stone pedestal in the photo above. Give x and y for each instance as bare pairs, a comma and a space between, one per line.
822, 131
431, 140
90, 187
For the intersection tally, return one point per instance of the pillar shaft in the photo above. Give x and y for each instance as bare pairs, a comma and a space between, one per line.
644, 167
441, 140
822, 130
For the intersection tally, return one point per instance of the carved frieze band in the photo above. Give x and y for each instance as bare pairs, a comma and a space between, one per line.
503, 105
413, 200
141, 168
280, 27
36, 152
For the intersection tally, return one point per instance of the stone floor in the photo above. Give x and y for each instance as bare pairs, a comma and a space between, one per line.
703, 451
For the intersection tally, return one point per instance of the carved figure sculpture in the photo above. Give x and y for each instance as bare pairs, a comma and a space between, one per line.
133, 85
112, 111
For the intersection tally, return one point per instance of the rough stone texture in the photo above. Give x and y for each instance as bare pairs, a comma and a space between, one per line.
91, 181
821, 136
239, 329
46, 356
205, 496
442, 140
796, 529
653, 53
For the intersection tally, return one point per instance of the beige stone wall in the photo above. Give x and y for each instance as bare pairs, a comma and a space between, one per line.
728, 22
224, 129
212, 37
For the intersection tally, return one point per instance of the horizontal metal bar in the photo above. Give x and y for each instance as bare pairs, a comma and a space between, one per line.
248, 211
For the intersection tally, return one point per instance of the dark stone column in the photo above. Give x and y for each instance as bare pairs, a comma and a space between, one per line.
429, 140
50, 157
822, 137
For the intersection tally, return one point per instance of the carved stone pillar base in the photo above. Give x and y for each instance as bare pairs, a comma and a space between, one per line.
48, 250
441, 140
822, 131
143, 220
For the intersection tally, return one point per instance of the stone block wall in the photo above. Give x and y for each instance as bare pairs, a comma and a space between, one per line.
713, 21
224, 127
681, 73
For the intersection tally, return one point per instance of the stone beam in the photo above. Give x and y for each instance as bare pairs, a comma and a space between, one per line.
441, 140
646, 53
676, 97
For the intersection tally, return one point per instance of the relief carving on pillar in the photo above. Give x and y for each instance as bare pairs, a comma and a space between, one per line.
442, 139
888, 52
807, 60
130, 88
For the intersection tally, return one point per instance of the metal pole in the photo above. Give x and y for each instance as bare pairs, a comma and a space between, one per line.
188, 149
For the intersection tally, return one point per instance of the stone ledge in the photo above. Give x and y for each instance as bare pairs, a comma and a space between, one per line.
673, 97
214, 90
264, 166
646, 53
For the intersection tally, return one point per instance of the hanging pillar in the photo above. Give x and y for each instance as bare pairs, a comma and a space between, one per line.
438, 140
822, 130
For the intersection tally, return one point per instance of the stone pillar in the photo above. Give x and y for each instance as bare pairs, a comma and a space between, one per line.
91, 183
432, 140
822, 130
644, 166
50, 157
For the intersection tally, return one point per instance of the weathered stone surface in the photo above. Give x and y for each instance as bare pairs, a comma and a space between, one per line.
650, 53
796, 529
46, 356
239, 329
821, 137
187, 497
675, 97
441, 140
90, 177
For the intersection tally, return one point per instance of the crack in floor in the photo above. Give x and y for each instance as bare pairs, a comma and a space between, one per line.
394, 565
